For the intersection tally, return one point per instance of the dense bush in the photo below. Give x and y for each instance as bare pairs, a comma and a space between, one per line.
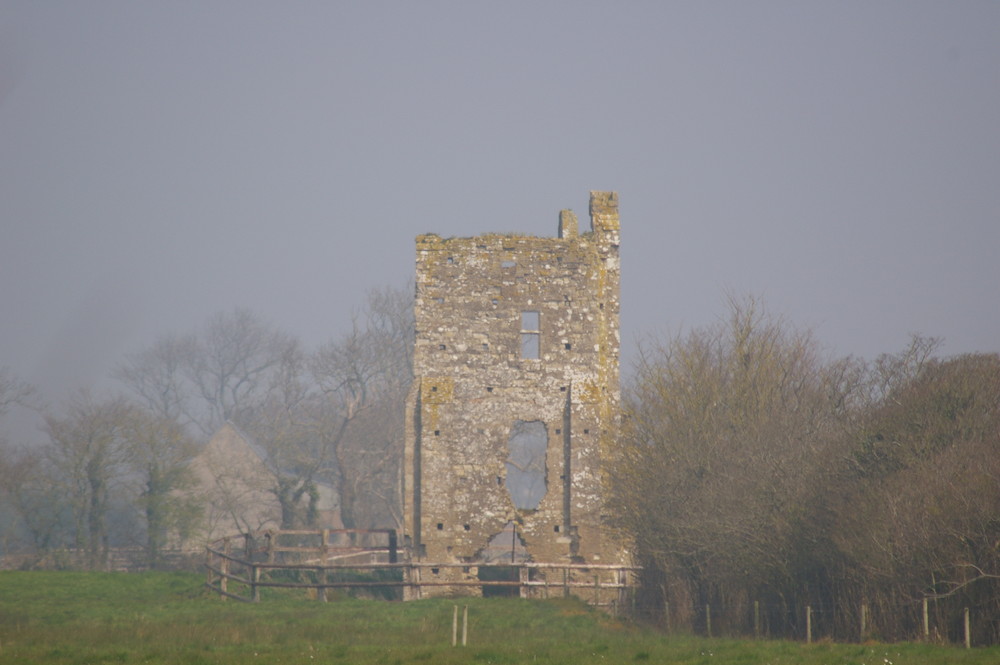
754, 469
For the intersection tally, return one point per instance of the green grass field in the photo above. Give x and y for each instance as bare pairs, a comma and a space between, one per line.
61, 617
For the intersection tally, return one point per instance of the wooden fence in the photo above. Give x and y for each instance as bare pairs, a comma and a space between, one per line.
116, 559
353, 560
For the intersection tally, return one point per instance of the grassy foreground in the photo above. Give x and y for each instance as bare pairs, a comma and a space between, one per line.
60, 617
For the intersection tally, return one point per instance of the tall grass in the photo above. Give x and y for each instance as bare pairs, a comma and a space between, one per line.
64, 617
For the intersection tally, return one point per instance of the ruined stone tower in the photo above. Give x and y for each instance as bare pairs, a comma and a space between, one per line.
515, 405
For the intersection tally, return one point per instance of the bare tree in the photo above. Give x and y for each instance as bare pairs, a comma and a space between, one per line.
363, 377
333, 417
88, 451
341, 423
291, 429
891, 372
731, 433
222, 373
157, 377
234, 364
919, 516
13, 391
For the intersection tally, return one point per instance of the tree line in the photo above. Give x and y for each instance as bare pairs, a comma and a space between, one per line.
755, 468
114, 470
752, 467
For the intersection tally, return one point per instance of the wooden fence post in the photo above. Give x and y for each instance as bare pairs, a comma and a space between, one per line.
708, 620
321, 581
393, 556
224, 567
324, 543
756, 619
927, 623
809, 624
465, 626
864, 622
454, 627
254, 579
631, 590
968, 630
209, 579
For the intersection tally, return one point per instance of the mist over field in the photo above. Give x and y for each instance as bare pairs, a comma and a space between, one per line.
161, 164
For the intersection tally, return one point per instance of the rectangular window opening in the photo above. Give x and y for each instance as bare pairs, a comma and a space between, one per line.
529, 346
531, 332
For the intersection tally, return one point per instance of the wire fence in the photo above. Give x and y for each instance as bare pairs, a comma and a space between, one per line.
936, 620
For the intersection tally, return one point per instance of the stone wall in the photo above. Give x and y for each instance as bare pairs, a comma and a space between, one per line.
517, 338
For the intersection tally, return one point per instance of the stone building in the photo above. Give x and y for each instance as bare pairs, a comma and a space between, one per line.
515, 405
234, 490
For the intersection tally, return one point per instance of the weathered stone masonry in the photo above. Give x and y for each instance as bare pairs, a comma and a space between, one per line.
517, 350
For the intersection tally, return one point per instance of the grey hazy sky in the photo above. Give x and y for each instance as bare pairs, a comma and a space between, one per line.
161, 161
